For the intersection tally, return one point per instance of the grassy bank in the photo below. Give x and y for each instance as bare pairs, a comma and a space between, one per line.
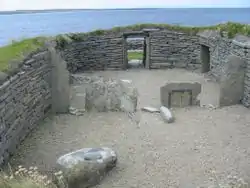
135, 55
17, 50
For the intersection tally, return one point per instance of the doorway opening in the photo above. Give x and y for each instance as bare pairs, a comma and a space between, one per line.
205, 59
135, 50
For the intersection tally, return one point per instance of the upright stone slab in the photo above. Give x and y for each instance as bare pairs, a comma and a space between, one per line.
111, 95
180, 94
60, 83
232, 81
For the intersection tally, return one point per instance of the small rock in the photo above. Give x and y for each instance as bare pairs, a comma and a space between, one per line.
76, 112
87, 167
166, 114
127, 81
150, 109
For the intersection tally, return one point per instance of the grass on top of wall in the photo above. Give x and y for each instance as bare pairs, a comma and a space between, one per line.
231, 28
17, 50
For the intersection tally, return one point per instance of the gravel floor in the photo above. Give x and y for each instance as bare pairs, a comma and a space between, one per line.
152, 154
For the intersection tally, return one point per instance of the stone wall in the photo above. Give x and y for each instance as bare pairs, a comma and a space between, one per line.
135, 44
220, 49
174, 49
25, 99
95, 53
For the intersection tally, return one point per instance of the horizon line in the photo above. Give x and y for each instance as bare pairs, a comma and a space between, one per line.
51, 9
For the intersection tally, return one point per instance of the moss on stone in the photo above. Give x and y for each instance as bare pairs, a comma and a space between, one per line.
17, 50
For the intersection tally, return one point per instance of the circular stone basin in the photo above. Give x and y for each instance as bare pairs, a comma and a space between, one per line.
95, 155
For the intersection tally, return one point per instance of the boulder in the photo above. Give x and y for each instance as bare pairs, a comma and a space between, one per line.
87, 167
111, 95
166, 114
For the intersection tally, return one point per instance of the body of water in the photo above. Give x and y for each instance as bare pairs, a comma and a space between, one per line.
18, 26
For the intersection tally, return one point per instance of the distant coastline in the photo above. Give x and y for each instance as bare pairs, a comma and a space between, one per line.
70, 10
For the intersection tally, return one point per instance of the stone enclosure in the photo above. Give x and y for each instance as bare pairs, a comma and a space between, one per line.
41, 84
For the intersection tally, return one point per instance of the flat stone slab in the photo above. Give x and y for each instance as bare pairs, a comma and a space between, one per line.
87, 167
150, 109
135, 63
180, 94
232, 81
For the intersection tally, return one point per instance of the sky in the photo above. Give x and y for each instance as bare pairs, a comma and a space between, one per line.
101, 4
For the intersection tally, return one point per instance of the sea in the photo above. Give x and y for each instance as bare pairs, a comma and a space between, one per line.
19, 25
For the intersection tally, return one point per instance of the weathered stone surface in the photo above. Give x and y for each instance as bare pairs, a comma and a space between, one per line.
25, 99
60, 83
95, 53
166, 114
111, 95
170, 49
3, 77
135, 44
180, 94
77, 98
87, 167
232, 81
135, 63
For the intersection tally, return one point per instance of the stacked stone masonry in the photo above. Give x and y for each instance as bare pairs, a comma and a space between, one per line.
135, 44
95, 53
220, 48
25, 99
173, 49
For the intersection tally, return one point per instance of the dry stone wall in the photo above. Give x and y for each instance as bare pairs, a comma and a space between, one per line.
95, 53
135, 44
25, 99
220, 49
174, 49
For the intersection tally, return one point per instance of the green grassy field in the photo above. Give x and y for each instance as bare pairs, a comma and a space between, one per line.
135, 55
18, 50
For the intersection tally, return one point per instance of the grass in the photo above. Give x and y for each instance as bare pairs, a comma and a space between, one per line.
32, 178
135, 55
17, 51
29, 178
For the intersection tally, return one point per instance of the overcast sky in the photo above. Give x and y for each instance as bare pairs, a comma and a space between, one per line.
96, 4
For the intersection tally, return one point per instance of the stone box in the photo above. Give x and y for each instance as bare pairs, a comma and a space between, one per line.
180, 94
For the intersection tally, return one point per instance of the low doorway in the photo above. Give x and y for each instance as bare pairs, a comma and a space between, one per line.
205, 59
135, 50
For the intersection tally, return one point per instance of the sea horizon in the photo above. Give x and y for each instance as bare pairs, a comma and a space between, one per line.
32, 23
22, 11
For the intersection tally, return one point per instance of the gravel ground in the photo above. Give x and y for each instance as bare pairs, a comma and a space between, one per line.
152, 154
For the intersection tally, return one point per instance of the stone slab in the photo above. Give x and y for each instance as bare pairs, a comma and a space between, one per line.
180, 94
232, 81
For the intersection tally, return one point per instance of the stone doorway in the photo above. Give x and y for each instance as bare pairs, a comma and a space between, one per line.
205, 59
136, 45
